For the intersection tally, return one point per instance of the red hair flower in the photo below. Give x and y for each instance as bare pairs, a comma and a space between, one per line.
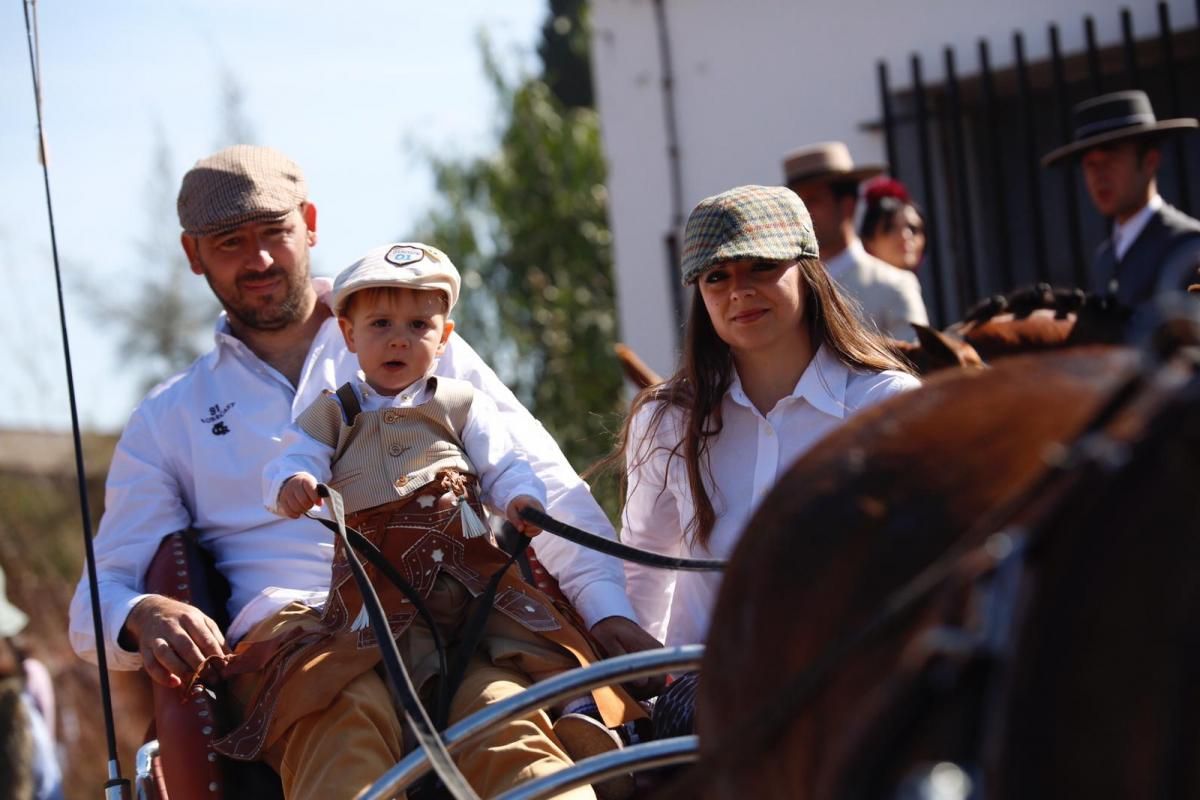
878, 188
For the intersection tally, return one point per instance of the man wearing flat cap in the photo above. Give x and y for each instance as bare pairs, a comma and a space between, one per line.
1153, 247
826, 179
193, 454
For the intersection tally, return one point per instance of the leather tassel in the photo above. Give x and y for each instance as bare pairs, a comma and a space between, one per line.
472, 525
363, 620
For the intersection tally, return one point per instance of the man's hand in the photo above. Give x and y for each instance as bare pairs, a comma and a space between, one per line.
173, 638
297, 495
513, 514
618, 636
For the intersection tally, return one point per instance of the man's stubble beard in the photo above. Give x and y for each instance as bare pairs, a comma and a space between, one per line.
275, 316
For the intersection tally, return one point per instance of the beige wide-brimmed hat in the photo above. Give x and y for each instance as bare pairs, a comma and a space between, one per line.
825, 161
1111, 118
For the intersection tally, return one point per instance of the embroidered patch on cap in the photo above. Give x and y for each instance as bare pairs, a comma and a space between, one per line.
403, 254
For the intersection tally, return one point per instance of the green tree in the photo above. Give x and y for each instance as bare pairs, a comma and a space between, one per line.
528, 227
565, 51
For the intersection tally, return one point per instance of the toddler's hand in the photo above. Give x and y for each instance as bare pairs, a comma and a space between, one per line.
513, 513
297, 495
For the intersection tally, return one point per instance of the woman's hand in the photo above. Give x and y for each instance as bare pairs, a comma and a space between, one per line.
618, 636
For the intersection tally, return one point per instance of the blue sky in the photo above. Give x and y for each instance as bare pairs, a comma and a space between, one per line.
357, 93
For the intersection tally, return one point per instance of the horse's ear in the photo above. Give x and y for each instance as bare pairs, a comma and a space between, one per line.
942, 350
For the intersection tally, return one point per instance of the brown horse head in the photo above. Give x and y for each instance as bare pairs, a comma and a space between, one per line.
796, 701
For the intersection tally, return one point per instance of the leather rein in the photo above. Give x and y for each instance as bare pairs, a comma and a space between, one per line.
424, 728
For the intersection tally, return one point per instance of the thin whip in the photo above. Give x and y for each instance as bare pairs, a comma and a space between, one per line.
116, 786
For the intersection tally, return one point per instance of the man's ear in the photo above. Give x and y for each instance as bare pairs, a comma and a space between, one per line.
446, 331
347, 333
191, 248
309, 210
1151, 160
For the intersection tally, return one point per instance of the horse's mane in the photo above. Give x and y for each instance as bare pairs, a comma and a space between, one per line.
1042, 296
1041, 317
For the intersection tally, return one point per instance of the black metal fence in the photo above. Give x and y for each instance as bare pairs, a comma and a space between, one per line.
969, 149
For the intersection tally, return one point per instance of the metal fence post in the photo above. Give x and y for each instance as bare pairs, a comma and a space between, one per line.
932, 246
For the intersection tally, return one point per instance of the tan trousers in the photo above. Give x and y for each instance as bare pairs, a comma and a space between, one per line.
341, 750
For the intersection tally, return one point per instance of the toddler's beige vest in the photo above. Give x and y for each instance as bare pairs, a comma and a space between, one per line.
389, 454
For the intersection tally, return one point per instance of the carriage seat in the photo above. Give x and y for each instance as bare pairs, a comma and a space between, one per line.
187, 721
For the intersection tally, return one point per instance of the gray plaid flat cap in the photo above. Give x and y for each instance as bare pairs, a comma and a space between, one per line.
240, 184
767, 222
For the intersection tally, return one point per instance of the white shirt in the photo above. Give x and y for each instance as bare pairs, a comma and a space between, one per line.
502, 476
1125, 234
192, 455
747, 458
890, 297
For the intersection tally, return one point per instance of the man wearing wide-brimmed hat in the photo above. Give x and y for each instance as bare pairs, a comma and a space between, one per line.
827, 179
1153, 246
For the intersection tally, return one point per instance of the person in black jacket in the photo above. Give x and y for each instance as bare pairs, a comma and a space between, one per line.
1153, 247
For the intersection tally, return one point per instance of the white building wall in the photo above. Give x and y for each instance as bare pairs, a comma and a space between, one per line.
754, 79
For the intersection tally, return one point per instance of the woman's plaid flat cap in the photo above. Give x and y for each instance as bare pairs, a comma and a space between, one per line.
766, 222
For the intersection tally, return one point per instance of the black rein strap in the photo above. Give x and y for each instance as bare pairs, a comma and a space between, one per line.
401, 682
621, 551
372, 554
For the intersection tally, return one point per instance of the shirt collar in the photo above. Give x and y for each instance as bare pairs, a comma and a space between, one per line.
223, 334
415, 394
823, 385
841, 263
1124, 235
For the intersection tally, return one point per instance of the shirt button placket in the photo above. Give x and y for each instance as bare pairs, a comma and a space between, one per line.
767, 462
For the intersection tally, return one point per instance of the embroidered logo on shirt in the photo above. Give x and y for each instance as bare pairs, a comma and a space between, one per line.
220, 429
216, 412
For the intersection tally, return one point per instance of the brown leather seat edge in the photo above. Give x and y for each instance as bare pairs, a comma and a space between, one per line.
187, 723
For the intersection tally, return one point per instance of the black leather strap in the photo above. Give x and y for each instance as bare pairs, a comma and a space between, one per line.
472, 632
404, 692
372, 554
621, 551
351, 408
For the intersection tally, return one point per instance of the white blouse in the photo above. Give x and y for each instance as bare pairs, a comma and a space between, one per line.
746, 459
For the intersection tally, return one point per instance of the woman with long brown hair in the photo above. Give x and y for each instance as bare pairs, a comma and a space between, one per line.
774, 357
